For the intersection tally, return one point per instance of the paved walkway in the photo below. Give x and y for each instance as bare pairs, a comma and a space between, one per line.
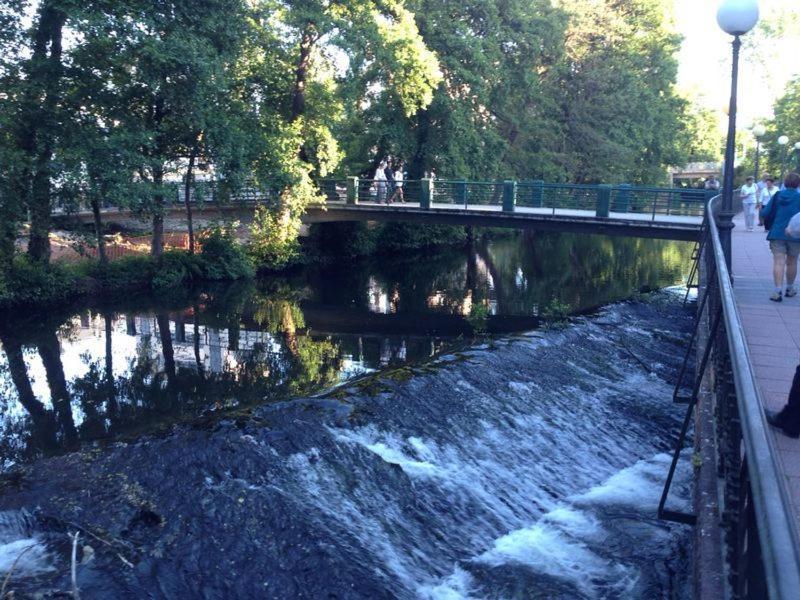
772, 331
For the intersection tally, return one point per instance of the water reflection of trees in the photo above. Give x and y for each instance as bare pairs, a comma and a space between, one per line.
241, 345
232, 356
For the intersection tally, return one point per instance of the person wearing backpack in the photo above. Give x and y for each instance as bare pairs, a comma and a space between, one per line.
785, 249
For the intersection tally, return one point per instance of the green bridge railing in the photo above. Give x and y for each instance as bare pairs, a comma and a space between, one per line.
535, 197
603, 200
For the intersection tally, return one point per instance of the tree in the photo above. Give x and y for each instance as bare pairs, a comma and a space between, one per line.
35, 124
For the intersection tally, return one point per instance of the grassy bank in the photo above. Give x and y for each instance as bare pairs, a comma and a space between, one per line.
33, 285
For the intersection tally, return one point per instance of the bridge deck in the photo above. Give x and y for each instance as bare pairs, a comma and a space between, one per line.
772, 331
527, 210
643, 224
635, 223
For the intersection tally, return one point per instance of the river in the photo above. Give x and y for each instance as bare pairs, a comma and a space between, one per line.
424, 426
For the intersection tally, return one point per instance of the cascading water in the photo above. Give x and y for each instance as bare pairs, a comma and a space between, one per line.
527, 468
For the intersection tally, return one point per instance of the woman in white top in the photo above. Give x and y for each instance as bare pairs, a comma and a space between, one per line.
747, 193
767, 192
380, 182
398, 183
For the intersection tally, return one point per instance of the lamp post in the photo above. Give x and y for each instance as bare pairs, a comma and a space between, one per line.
797, 155
782, 141
758, 133
736, 18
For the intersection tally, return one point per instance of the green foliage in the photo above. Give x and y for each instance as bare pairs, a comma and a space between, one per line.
175, 268
348, 239
30, 283
222, 257
273, 238
127, 273
406, 236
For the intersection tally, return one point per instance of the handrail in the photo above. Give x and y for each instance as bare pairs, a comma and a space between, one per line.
774, 515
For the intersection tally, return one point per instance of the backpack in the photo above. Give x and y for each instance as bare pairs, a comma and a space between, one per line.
769, 218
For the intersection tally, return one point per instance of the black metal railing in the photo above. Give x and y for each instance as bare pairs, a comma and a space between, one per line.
760, 537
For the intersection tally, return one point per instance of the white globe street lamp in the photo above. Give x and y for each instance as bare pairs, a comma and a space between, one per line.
735, 17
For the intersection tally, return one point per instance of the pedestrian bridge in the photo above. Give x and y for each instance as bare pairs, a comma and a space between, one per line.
667, 213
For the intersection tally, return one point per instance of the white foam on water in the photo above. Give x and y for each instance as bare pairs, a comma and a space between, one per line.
639, 485
30, 554
20, 545
457, 586
547, 549
408, 464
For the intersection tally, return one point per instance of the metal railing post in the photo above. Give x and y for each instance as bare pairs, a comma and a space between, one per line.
509, 195
425, 193
603, 200
461, 193
352, 190
537, 195
622, 203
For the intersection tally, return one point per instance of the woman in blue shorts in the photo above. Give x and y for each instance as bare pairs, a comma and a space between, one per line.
785, 249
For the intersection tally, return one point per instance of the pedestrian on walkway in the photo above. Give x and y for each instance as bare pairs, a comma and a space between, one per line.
388, 171
788, 419
747, 193
398, 183
712, 183
770, 189
785, 249
380, 182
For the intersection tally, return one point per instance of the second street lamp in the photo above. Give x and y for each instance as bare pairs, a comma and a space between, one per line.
735, 17
797, 156
758, 133
782, 141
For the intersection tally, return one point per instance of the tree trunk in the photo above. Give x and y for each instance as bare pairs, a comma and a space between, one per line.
111, 405
307, 40
50, 352
186, 191
43, 423
98, 231
157, 246
42, 99
166, 347
196, 340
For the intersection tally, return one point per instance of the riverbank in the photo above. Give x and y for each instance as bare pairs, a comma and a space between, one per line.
530, 464
222, 256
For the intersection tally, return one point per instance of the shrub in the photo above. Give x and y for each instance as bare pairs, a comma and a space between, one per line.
30, 283
176, 267
126, 273
273, 239
223, 257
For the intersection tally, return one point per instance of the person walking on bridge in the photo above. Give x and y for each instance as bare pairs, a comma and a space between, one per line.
785, 249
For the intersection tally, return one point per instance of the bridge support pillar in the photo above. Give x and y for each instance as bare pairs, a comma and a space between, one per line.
509, 196
352, 190
426, 193
603, 200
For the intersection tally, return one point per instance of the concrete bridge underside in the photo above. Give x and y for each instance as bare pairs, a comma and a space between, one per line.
631, 224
